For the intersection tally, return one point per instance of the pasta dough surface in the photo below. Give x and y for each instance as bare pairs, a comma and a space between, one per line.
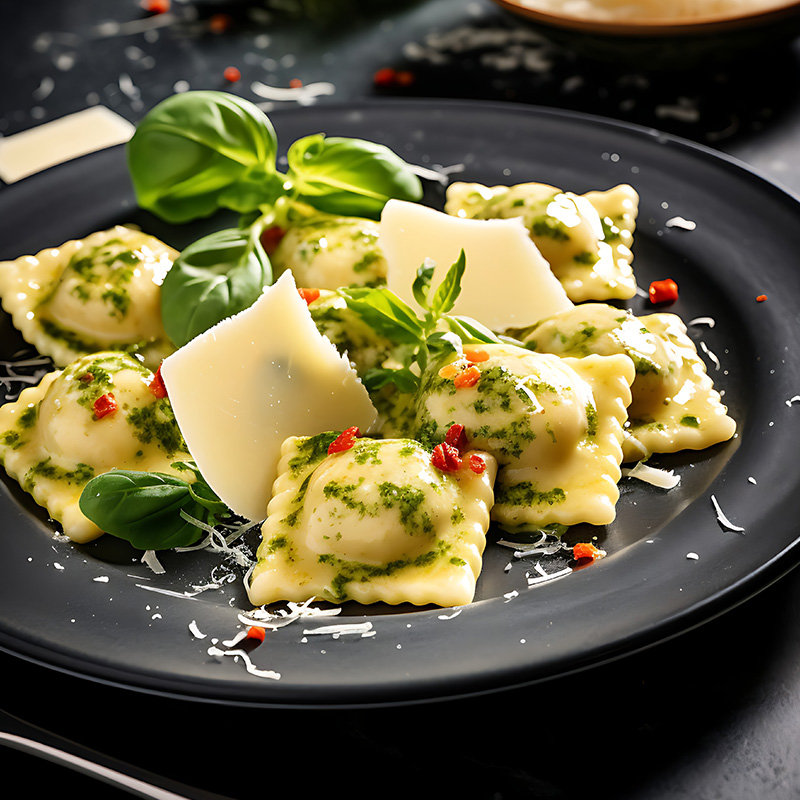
374, 523
674, 406
554, 424
52, 441
328, 252
586, 238
98, 293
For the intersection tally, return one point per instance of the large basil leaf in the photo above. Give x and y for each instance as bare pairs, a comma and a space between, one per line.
198, 151
212, 279
144, 508
349, 176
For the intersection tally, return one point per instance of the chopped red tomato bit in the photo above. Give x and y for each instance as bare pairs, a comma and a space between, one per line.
256, 632
156, 6
761, 298
477, 464
384, 77
344, 441
586, 550
87, 377
271, 238
309, 295
457, 437
468, 377
476, 356
104, 406
219, 23
295, 83
665, 291
446, 458
232, 74
157, 385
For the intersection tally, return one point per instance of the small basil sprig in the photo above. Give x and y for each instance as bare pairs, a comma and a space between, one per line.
418, 339
145, 508
213, 278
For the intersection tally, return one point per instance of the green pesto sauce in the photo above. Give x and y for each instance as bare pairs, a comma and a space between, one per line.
311, 450
71, 339
592, 420
350, 571
367, 450
510, 440
611, 231
690, 421
27, 419
12, 439
525, 493
82, 474
409, 501
156, 423
586, 258
343, 492
547, 227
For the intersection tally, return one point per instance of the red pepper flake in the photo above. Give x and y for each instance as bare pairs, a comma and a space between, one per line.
104, 406
476, 356
761, 298
665, 291
87, 377
295, 83
309, 295
586, 550
257, 633
232, 74
156, 6
384, 77
271, 238
477, 464
457, 437
446, 458
468, 377
219, 23
157, 385
344, 441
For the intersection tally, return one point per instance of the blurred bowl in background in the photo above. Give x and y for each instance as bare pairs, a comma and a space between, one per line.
662, 33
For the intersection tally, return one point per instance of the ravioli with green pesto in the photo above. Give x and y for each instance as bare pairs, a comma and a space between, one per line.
96, 415
554, 424
674, 406
98, 293
363, 345
586, 239
326, 252
377, 522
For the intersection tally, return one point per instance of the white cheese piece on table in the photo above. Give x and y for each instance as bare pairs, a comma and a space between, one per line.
506, 284
242, 387
28, 152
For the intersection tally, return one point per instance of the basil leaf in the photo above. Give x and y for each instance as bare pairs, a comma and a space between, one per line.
213, 278
422, 283
385, 313
143, 508
193, 153
349, 176
449, 289
378, 377
471, 331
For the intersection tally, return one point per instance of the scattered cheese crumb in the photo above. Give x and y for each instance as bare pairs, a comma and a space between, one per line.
663, 479
723, 520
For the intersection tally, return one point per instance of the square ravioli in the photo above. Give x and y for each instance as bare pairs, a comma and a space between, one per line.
674, 403
586, 239
376, 522
554, 424
96, 415
98, 293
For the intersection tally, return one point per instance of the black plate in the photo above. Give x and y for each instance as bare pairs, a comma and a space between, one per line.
88, 611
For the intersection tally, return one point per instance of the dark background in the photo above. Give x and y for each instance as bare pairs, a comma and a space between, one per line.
714, 713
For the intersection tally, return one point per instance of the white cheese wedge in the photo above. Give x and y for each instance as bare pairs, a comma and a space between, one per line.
241, 388
506, 284
51, 143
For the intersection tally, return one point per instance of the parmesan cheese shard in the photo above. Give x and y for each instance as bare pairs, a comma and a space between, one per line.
26, 153
242, 387
506, 283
